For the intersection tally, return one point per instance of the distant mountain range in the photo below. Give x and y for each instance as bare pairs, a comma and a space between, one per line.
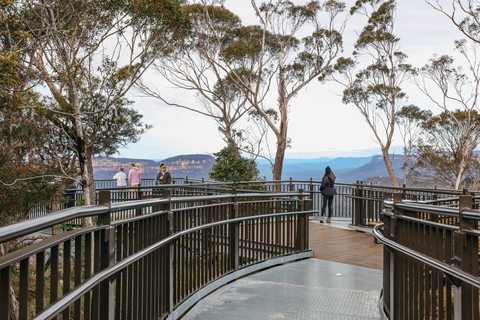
197, 166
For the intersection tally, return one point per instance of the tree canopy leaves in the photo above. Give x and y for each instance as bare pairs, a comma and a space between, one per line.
228, 168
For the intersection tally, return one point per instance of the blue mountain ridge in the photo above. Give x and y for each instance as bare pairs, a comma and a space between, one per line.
347, 169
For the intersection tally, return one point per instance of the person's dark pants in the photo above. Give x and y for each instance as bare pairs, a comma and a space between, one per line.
329, 200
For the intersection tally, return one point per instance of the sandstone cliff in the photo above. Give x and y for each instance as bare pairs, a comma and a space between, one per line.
194, 166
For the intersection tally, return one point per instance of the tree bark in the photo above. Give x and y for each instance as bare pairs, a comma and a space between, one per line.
405, 155
232, 144
87, 183
282, 134
14, 304
388, 164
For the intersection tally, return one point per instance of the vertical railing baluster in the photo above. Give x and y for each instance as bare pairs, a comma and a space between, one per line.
54, 266
40, 283
107, 258
78, 274
23, 289
5, 283
67, 274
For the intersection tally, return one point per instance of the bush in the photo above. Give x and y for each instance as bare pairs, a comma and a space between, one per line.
227, 168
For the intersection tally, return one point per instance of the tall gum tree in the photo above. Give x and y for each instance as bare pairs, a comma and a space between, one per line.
454, 88
376, 90
29, 164
254, 65
279, 64
89, 54
441, 157
409, 120
194, 66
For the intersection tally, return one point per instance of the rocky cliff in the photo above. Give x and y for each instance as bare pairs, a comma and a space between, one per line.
195, 166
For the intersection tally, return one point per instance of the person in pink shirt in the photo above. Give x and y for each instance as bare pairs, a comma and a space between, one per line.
134, 178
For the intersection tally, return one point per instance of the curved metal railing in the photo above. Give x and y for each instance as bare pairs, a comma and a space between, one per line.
145, 257
431, 267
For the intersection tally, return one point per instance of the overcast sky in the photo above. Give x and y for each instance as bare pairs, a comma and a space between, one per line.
320, 125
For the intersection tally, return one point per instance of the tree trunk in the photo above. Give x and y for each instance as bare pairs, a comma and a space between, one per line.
227, 133
14, 304
279, 157
282, 134
405, 166
388, 164
89, 175
87, 182
461, 172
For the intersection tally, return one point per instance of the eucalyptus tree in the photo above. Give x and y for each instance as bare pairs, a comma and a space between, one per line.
295, 62
464, 14
376, 90
88, 54
453, 88
441, 159
409, 120
266, 63
196, 66
30, 164
29, 167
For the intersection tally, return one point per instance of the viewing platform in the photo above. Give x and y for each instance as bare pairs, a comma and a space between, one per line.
248, 251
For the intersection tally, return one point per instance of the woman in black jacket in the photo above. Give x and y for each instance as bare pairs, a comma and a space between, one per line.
328, 191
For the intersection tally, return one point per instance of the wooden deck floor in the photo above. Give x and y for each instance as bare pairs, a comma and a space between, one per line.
345, 246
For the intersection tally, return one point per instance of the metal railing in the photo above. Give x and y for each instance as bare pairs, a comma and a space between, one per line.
431, 259
362, 203
144, 258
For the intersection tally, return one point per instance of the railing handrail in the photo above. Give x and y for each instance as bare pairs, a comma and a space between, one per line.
448, 269
55, 308
45, 244
29, 226
416, 207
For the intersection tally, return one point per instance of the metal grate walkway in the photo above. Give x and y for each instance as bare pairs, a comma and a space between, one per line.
308, 289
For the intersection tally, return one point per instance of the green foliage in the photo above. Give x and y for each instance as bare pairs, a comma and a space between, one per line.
28, 157
85, 111
376, 89
441, 150
226, 168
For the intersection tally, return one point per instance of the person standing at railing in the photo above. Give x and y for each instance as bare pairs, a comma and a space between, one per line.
121, 178
328, 191
163, 176
134, 178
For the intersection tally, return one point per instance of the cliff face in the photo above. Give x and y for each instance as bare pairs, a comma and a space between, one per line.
374, 171
194, 166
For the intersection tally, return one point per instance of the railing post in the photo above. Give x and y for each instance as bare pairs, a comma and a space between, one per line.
466, 258
312, 194
302, 226
387, 215
171, 262
234, 234
107, 302
5, 283
291, 186
357, 198
394, 274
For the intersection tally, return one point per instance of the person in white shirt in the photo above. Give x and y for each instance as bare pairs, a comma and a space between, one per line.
121, 178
